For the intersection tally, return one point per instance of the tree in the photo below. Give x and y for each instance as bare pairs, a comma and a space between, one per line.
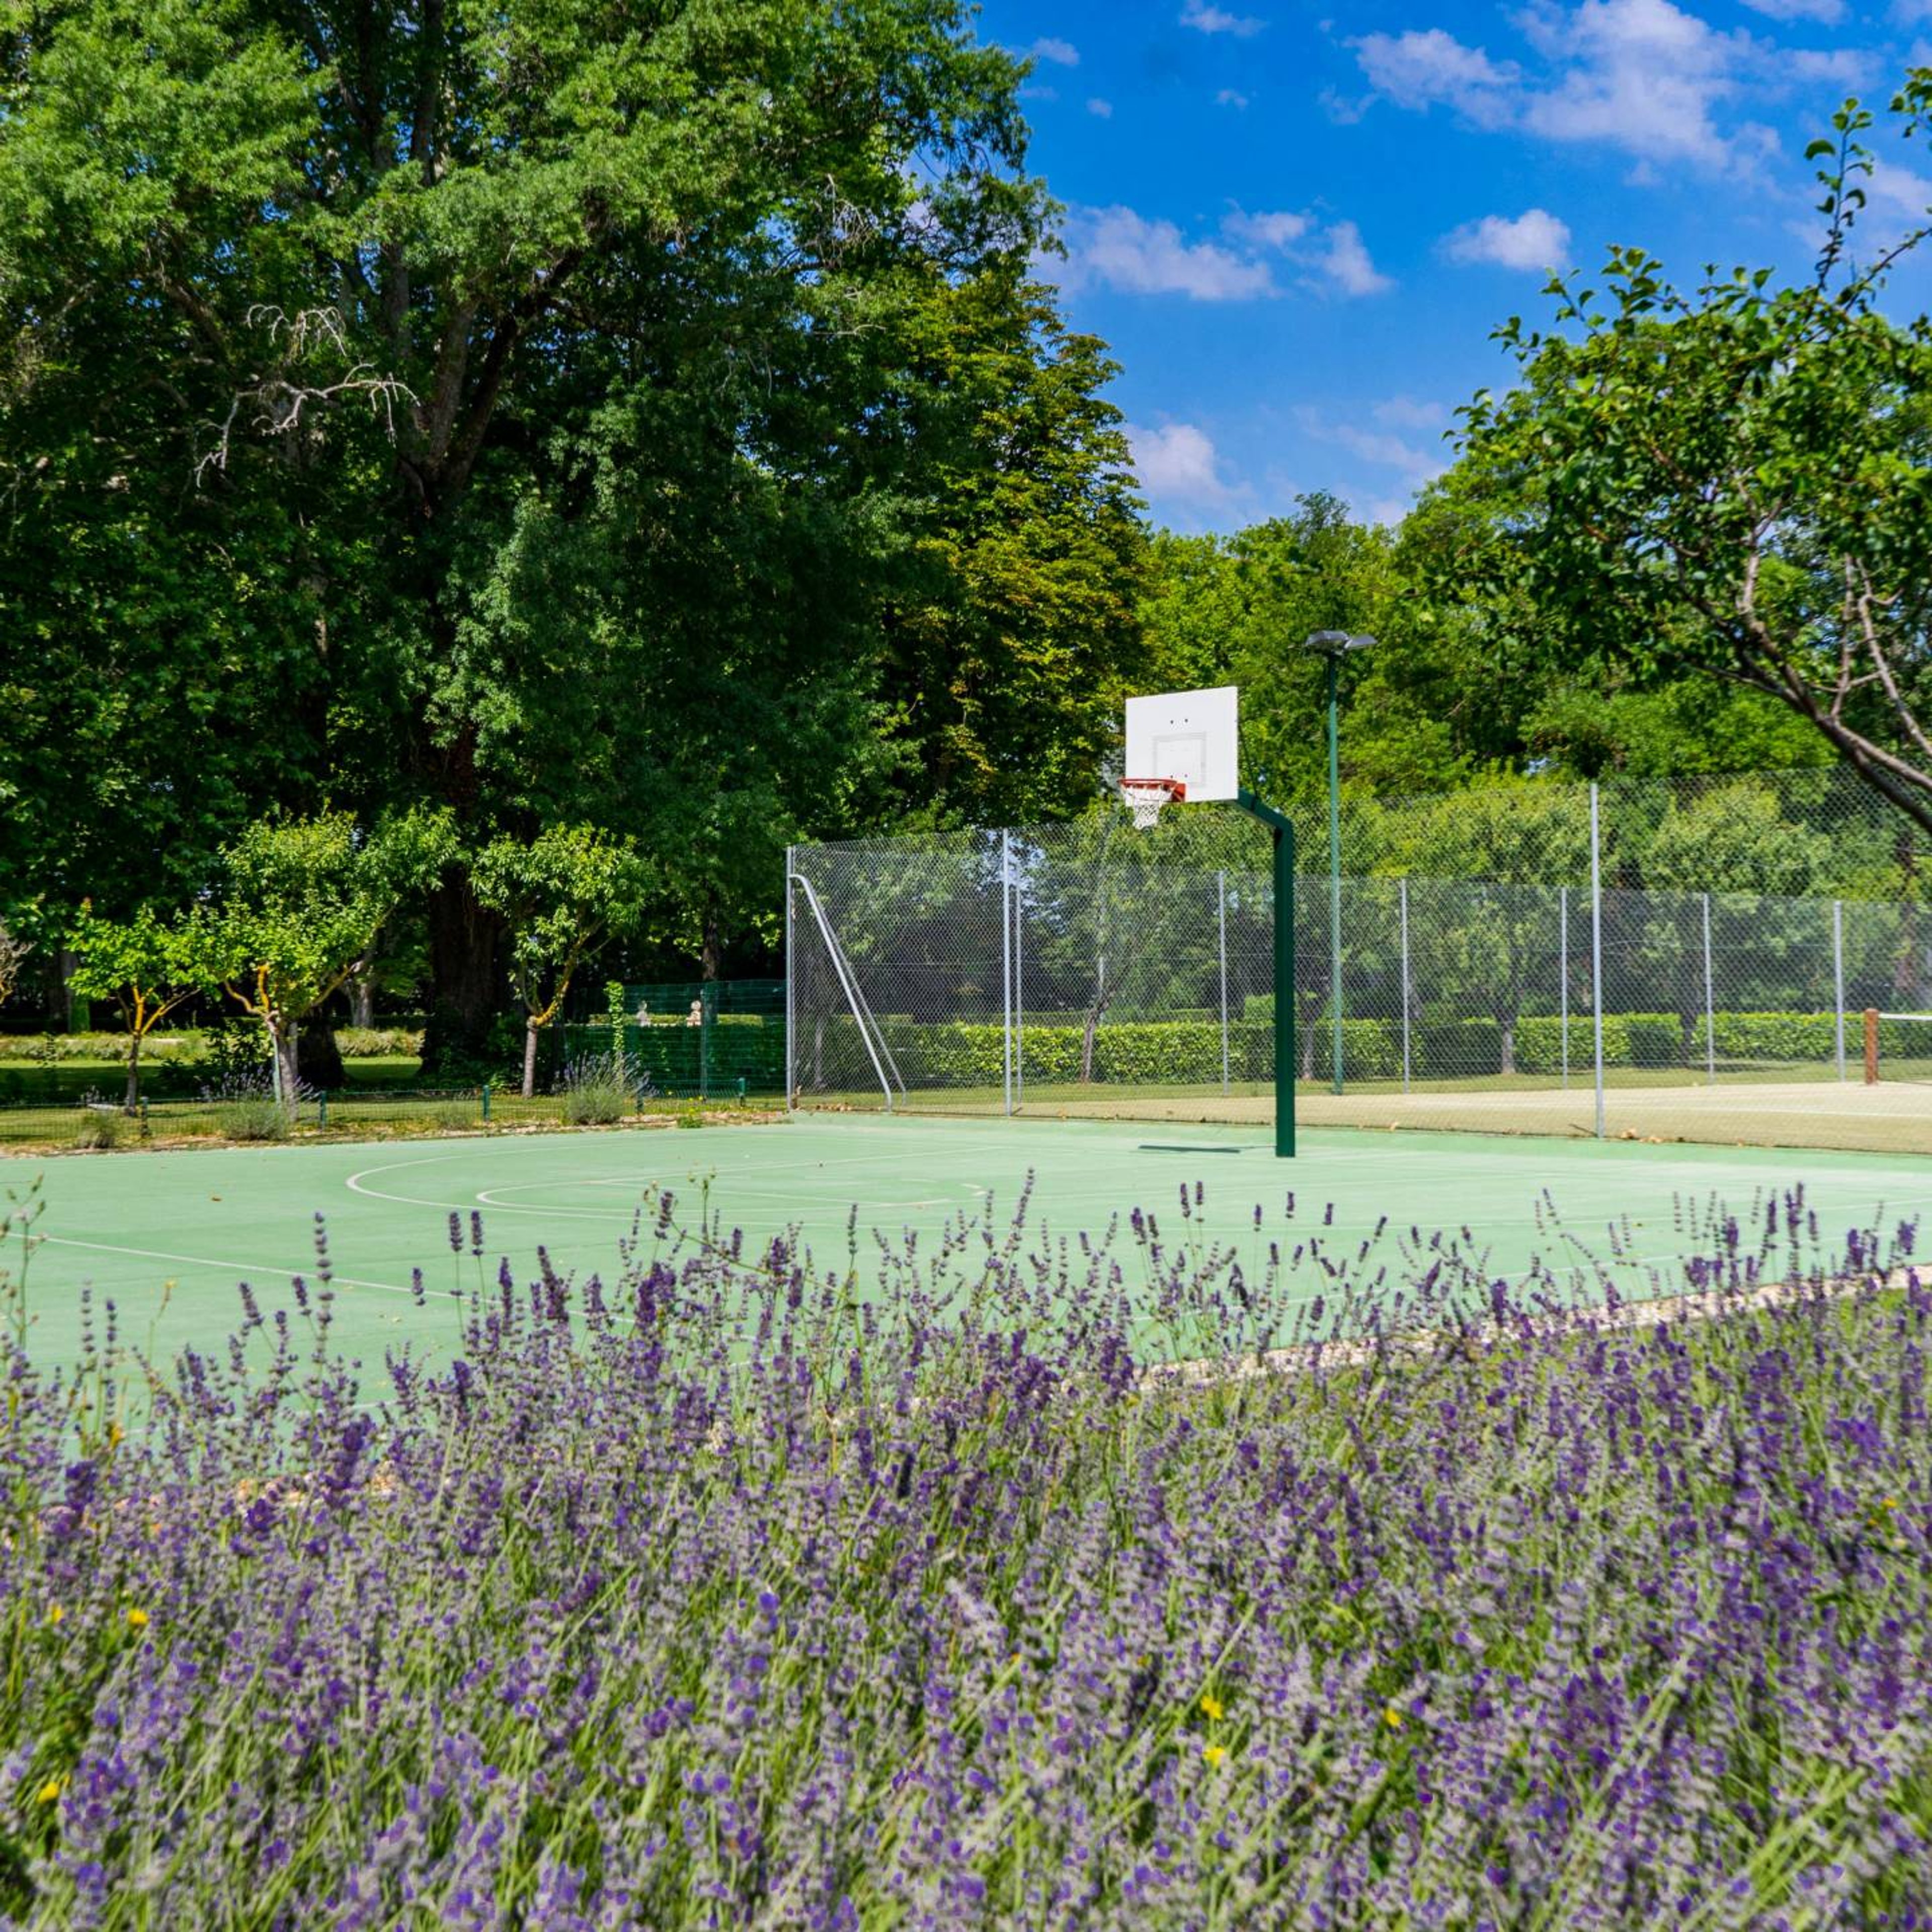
376, 380
1498, 849
1014, 638
559, 894
1734, 483
306, 901
149, 966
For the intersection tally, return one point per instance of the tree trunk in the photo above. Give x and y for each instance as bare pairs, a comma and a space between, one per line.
285, 1042
529, 1059
1506, 1027
466, 981
133, 1099
318, 1057
714, 944
1094, 1013
362, 1001
70, 1003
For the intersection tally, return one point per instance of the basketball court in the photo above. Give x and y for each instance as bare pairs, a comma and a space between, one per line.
166, 1237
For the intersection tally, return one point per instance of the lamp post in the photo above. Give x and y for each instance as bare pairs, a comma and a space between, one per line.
1334, 646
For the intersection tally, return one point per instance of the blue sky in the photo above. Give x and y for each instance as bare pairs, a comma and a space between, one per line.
1297, 223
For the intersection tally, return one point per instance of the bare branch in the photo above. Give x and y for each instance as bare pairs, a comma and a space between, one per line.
281, 403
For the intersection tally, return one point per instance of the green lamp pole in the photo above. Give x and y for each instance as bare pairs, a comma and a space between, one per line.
1334, 646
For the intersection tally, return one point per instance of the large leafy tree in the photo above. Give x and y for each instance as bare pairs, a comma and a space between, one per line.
511, 408
1732, 482
1014, 637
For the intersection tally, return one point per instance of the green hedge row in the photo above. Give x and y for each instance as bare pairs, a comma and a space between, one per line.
971, 1053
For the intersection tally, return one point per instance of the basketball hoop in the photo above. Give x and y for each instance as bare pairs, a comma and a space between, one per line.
1144, 797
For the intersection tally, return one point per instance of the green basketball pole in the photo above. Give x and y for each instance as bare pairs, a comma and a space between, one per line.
1281, 830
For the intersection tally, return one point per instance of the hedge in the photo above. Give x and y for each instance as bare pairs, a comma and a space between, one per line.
971, 1053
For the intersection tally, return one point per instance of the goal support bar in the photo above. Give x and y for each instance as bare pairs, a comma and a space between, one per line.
1281, 830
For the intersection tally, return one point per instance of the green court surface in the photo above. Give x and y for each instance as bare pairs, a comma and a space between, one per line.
167, 1236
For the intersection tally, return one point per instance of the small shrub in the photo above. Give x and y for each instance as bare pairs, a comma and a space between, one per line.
598, 1090
450, 1114
261, 1116
246, 1107
99, 1128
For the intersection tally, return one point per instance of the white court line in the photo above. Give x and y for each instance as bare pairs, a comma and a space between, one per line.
356, 1183
281, 1268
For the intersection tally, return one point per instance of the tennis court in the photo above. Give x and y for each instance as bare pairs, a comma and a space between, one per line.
166, 1237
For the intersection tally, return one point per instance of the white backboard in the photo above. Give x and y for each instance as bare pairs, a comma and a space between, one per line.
1193, 736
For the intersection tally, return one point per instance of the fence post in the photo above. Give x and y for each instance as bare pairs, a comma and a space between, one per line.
1221, 929
1006, 971
1710, 1002
321, 1109
1563, 978
1838, 976
1402, 890
791, 984
486, 1103
1019, 996
707, 999
1597, 952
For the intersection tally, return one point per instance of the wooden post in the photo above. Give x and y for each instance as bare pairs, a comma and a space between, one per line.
1871, 1046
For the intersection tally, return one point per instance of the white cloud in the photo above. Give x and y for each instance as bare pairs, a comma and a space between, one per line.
1229, 97
1830, 12
1846, 66
1534, 239
1417, 68
1377, 448
1102, 110
1641, 74
1408, 412
1898, 190
1344, 261
1062, 53
1177, 461
1116, 248
1645, 75
1207, 18
1119, 249
1280, 230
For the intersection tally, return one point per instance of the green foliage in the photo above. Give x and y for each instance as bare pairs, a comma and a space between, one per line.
1187, 1053
1014, 649
597, 1092
559, 894
253, 1116
567, 417
98, 1130
1733, 482
148, 966
307, 900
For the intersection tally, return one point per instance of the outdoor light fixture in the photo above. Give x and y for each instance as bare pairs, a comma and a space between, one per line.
1335, 646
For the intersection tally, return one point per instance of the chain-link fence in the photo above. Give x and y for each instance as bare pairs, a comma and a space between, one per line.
1087, 969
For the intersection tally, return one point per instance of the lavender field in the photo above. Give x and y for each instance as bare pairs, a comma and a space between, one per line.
909, 1589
